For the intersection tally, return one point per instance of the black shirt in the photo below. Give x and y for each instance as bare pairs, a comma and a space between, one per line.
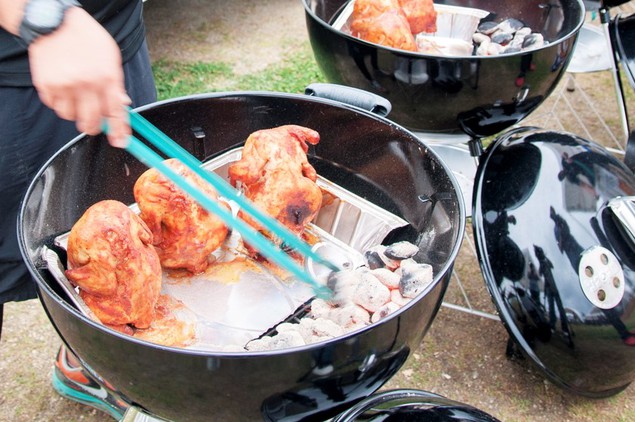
122, 18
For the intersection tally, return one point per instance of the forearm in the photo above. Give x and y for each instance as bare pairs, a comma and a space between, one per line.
11, 12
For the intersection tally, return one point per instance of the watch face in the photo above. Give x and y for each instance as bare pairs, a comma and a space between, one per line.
44, 14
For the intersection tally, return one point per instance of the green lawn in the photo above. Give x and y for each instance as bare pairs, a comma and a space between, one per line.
178, 79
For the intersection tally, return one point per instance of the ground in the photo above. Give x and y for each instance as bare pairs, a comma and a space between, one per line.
463, 355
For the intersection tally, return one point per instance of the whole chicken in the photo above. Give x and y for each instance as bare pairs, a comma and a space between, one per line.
276, 176
112, 261
184, 233
382, 22
421, 15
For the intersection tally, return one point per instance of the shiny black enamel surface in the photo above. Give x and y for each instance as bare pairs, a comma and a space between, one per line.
363, 153
596, 4
540, 202
412, 406
624, 33
480, 96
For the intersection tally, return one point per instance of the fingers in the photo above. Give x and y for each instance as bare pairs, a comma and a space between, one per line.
88, 113
65, 107
118, 122
92, 106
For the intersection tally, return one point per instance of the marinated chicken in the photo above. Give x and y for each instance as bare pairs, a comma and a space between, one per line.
420, 14
185, 233
276, 176
112, 261
382, 22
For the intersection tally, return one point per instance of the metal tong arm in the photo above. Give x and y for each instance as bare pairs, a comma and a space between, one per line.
169, 147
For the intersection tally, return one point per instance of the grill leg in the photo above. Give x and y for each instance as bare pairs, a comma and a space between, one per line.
629, 157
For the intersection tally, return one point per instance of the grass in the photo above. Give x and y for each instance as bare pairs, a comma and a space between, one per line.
177, 79
292, 75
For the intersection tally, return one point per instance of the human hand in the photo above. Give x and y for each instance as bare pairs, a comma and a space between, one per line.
78, 73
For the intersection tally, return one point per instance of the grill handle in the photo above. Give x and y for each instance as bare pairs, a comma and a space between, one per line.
351, 96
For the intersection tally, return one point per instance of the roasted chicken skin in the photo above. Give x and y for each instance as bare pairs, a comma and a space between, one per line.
382, 22
184, 232
112, 261
276, 176
421, 15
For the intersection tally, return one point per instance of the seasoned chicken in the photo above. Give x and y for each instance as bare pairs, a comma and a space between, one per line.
420, 14
276, 176
185, 233
382, 22
112, 261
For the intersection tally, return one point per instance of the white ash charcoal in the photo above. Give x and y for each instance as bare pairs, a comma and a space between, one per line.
396, 297
523, 32
510, 49
384, 311
493, 49
388, 278
401, 250
376, 258
259, 345
320, 309
355, 327
487, 28
350, 316
414, 279
286, 327
516, 42
507, 37
313, 330
479, 38
286, 339
282, 340
371, 293
404, 264
483, 48
343, 284
533, 40
515, 45
510, 25
502, 38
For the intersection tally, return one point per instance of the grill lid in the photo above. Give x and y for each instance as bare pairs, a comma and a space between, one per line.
553, 222
412, 405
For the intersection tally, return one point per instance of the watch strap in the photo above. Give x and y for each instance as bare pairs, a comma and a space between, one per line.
28, 33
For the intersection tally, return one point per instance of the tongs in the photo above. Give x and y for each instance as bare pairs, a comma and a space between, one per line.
268, 249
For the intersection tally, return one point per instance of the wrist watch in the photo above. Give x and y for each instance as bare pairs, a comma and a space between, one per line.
42, 17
